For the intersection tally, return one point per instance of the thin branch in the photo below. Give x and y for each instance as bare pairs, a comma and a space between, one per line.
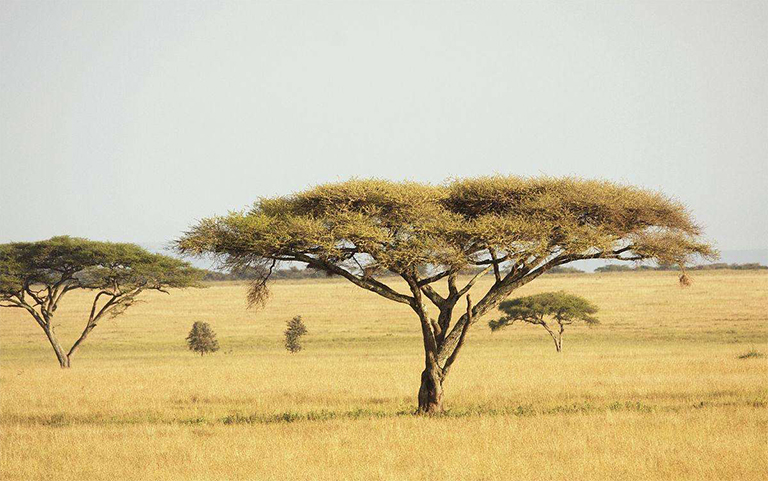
487, 262
472, 282
436, 277
495, 264
32, 294
560, 260
95, 303
362, 269
20, 302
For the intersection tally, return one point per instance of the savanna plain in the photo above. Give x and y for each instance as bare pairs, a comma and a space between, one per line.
662, 389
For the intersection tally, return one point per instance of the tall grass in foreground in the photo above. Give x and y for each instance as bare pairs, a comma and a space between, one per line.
659, 391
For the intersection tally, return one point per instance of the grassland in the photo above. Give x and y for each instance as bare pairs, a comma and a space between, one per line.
658, 391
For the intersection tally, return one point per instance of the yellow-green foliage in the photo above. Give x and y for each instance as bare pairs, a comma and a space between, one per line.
402, 225
657, 392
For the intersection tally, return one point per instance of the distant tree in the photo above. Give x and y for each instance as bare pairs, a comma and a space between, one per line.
35, 276
515, 228
614, 268
295, 330
565, 270
552, 311
202, 339
248, 273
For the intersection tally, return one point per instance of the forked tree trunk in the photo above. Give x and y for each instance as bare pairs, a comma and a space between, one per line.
431, 392
431, 388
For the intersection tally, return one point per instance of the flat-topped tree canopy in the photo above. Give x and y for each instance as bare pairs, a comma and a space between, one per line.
515, 227
524, 223
83, 263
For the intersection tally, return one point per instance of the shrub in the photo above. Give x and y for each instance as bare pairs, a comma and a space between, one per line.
202, 339
293, 333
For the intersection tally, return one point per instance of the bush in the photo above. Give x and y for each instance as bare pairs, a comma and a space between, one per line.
202, 339
293, 333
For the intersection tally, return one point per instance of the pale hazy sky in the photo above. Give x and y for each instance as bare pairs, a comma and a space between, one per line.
128, 121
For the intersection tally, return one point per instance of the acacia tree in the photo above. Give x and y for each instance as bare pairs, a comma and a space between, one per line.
550, 310
515, 228
35, 276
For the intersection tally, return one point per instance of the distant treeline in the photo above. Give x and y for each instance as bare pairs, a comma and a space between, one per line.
707, 267
249, 273
564, 270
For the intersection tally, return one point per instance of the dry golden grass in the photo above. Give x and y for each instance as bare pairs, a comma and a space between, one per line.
656, 392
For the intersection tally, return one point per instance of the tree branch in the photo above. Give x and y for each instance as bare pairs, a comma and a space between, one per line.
20, 302
472, 282
460, 343
32, 294
433, 296
427, 326
436, 277
366, 283
487, 262
495, 294
495, 264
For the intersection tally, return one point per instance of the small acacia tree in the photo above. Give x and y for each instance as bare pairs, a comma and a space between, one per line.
35, 276
293, 332
202, 339
551, 310
515, 228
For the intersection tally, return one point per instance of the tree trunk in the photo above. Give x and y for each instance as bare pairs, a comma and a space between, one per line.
61, 355
431, 392
80, 340
558, 340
